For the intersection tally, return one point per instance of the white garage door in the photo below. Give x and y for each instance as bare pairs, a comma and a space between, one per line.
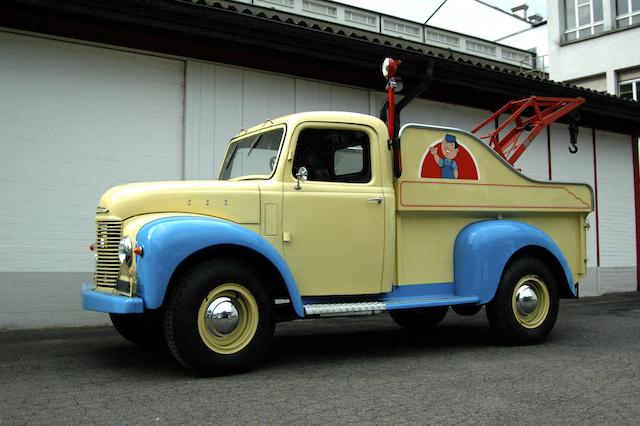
74, 121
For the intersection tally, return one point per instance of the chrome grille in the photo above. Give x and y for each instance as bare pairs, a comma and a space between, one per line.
108, 237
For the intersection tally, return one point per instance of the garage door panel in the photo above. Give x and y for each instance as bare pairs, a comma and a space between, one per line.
74, 121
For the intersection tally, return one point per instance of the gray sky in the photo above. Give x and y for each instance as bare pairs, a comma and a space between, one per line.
539, 6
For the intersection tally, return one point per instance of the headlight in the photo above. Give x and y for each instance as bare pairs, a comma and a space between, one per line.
124, 250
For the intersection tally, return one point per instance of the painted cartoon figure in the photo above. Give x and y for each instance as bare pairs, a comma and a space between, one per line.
448, 165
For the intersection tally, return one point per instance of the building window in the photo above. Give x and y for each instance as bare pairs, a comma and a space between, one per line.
360, 18
627, 13
320, 8
629, 89
288, 3
481, 47
443, 38
582, 18
402, 28
516, 56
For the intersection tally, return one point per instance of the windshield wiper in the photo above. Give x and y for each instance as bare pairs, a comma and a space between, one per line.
253, 145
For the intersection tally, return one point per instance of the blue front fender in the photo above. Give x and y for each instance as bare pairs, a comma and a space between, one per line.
482, 250
169, 241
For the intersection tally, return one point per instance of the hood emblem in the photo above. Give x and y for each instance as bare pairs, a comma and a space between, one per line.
101, 210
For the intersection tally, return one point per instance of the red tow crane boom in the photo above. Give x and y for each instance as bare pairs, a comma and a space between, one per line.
528, 118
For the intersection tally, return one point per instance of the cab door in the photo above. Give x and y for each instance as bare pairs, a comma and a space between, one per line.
333, 222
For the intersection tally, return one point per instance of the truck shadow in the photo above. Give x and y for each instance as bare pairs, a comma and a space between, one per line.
126, 357
314, 343
317, 343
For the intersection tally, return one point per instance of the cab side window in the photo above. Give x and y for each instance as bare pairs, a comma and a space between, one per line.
334, 155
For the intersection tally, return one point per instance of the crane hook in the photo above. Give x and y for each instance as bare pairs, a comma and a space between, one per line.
573, 138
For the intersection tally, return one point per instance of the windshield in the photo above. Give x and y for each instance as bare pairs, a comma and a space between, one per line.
253, 155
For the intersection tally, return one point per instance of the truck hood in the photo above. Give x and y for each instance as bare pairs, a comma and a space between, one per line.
235, 201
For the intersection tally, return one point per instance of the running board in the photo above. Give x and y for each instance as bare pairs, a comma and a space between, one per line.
359, 308
344, 308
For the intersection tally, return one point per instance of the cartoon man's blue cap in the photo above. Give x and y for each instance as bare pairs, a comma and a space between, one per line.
450, 138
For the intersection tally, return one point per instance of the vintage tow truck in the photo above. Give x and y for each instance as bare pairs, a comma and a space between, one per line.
331, 213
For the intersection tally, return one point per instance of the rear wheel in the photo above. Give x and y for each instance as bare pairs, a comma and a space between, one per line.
219, 319
422, 319
525, 307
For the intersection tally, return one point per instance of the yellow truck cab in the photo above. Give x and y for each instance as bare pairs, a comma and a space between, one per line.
309, 219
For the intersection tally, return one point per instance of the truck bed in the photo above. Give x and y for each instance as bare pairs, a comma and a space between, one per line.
432, 209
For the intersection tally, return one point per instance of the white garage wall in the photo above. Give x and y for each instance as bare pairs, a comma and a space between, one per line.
74, 121
348, 99
265, 96
534, 162
440, 114
616, 197
578, 167
221, 100
316, 96
617, 212
200, 107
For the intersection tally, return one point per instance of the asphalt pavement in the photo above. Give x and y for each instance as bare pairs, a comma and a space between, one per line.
340, 371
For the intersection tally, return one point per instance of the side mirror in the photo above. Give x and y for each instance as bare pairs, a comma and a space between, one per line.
302, 174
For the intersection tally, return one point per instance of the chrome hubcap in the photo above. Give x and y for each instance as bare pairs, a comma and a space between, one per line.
222, 316
526, 300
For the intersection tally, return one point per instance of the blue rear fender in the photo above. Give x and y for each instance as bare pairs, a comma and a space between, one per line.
167, 242
483, 249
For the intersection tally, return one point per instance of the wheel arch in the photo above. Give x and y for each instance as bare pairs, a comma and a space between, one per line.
483, 250
276, 285
173, 243
551, 261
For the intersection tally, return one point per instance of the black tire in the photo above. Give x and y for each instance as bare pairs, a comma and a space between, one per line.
213, 348
518, 326
142, 329
466, 310
419, 320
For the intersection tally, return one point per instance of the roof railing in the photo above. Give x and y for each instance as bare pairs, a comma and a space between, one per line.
348, 16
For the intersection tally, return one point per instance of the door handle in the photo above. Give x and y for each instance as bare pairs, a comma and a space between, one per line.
379, 199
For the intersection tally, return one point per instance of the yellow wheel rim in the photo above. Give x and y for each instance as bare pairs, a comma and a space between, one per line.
228, 318
530, 301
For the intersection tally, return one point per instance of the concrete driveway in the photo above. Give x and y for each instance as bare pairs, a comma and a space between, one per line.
337, 371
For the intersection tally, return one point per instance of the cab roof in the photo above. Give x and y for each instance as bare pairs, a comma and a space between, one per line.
292, 120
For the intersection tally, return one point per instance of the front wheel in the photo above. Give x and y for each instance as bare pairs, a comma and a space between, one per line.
525, 307
220, 318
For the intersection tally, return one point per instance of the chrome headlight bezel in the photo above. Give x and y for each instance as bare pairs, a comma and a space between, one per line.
125, 249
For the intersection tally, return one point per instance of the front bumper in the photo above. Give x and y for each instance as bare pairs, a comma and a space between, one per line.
112, 303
